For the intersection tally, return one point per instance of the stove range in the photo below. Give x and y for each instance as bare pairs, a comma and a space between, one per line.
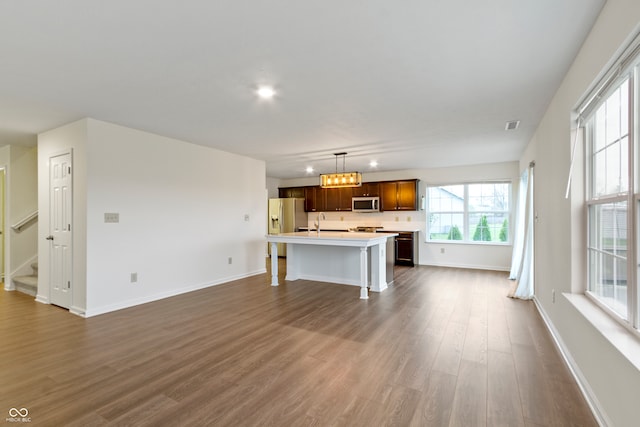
369, 229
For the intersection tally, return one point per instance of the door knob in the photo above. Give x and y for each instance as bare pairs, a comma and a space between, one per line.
49, 237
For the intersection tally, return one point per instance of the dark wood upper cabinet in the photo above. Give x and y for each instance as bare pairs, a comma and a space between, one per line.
332, 199
408, 195
291, 192
399, 195
394, 196
337, 199
368, 189
311, 199
388, 196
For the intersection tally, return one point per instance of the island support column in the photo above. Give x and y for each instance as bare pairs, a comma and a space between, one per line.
379, 267
274, 264
364, 294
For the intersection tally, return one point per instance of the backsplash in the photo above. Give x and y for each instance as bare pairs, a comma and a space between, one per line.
392, 220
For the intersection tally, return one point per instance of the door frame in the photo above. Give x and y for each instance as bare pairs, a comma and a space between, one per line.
45, 230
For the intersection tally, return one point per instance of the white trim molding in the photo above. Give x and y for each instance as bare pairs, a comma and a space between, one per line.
583, 384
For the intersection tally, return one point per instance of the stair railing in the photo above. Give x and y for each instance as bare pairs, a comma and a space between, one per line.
24, 222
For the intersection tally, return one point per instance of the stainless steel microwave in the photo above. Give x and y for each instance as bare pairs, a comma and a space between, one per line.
365, 204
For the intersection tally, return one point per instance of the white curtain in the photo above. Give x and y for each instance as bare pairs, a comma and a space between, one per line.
522, 258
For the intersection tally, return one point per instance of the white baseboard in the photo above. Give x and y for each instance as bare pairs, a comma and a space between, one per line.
162, 295
42, 299
582, 382
469, 266
73, 310
77, 311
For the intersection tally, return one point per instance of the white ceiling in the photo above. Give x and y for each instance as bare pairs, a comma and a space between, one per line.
409, 83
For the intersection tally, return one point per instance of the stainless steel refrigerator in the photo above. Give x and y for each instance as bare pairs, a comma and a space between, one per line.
285, 216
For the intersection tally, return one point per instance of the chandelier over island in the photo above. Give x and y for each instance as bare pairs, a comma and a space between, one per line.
340, 179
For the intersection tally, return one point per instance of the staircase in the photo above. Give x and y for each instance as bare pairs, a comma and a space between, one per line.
28, 284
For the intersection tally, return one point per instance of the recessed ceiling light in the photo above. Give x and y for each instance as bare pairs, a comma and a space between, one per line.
266, 92
309, 169
373, 163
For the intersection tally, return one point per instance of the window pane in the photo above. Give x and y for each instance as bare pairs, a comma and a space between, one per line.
599, 176
624, 164
624, 109
599, 130
608, 282
610, 169
609, 145
613, 117
608, 255
448, 198
489, 197
613, 169
444, 226
452, 217
488, 227
608, 231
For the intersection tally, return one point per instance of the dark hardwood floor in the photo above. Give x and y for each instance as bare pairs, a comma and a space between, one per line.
441, 347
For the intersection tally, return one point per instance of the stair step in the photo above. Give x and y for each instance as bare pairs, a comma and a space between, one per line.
31, 280
26, 284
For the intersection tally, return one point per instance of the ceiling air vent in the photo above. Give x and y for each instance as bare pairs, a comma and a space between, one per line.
512, 125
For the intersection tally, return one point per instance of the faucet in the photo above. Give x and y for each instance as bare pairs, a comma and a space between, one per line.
317, 222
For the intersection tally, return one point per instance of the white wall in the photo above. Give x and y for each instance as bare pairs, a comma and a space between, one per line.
70, 138
182, 214
470, 255
272, 187
613, 382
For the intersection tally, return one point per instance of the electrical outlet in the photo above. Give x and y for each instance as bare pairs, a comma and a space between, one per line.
553, 296
408, 219
134, 277
441, 250
341, 218
230, 260
246, 217
397, 219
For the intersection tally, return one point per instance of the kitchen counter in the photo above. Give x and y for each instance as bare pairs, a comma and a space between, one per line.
351, 258
341, 238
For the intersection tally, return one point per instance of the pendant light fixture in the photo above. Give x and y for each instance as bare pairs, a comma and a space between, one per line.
341, 179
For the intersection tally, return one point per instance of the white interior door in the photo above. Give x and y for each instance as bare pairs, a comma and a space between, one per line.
60, 203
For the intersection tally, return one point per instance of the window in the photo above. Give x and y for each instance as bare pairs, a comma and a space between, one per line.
477, 212
612, 201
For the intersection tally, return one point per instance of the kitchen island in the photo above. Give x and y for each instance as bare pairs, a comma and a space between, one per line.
350, 258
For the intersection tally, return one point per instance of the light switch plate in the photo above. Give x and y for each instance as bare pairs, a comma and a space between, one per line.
111, 217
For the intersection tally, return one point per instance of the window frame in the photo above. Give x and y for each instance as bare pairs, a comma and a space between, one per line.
630, 195
467, 213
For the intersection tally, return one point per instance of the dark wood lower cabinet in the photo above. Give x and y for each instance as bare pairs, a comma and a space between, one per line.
406, 248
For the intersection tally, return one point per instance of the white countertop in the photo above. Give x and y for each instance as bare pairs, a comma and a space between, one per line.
335, 238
